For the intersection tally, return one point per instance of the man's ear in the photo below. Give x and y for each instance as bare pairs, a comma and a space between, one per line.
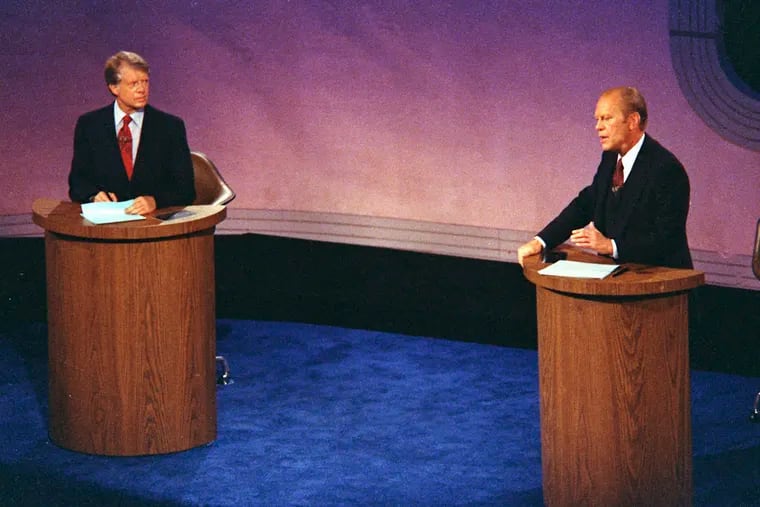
634, 121
113, 89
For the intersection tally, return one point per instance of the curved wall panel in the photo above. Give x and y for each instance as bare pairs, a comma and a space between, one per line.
450, 114
705, 79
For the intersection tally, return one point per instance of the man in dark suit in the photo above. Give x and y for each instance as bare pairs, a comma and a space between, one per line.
130, 150
636, 207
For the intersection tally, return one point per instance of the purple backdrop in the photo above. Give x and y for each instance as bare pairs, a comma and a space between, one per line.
475, 113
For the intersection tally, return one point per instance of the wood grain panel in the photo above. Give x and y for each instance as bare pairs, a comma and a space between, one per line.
639, 279
614, 387
131, 327
64, 218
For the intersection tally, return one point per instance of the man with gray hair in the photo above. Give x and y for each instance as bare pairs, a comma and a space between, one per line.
130, 150
636, 207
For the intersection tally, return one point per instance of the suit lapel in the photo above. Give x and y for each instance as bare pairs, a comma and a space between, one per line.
109, 130
111, 143
633, 187
144, 144
604, 183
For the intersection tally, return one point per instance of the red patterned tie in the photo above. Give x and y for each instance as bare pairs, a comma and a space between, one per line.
617, 176
125, 146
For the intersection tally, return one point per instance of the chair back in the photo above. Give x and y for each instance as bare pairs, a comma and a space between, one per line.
210, 187
756, 252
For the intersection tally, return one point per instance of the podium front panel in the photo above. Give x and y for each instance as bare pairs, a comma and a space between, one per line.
131, 336
614, 385
615, 413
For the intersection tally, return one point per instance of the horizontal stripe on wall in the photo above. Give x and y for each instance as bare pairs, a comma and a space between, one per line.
485, 243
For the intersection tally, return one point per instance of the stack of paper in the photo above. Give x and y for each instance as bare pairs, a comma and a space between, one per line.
575, 269
108, 212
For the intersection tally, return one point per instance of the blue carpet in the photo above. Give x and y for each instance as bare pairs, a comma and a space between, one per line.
329, 416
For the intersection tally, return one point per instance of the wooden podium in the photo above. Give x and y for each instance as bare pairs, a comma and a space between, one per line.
614, 385
131, 330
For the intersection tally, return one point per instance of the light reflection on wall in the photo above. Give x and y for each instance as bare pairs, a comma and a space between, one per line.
475, 113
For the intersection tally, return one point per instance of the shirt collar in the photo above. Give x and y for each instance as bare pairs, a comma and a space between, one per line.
630, 157
118, 115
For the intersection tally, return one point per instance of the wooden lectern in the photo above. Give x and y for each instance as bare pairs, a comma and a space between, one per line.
131, 330
614, 385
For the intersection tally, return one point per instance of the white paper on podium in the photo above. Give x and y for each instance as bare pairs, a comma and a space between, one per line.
575, 269
108, 212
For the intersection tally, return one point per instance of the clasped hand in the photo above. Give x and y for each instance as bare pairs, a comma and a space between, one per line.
590, 237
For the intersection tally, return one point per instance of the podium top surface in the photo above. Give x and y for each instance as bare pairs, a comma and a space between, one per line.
637, 280
62, 217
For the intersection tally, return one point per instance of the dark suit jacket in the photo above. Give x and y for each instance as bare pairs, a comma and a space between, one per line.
162, 168
650, 225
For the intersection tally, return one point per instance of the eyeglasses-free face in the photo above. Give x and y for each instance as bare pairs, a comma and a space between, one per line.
133, 90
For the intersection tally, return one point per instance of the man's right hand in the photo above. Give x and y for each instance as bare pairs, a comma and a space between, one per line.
104, 196
532, 247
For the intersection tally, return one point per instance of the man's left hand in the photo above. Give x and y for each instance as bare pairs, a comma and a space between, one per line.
590, 237
142, 205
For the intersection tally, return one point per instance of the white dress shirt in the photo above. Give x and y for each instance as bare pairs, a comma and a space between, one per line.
135, 126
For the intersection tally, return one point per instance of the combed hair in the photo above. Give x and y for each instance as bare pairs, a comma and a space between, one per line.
633, 102
114, 63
